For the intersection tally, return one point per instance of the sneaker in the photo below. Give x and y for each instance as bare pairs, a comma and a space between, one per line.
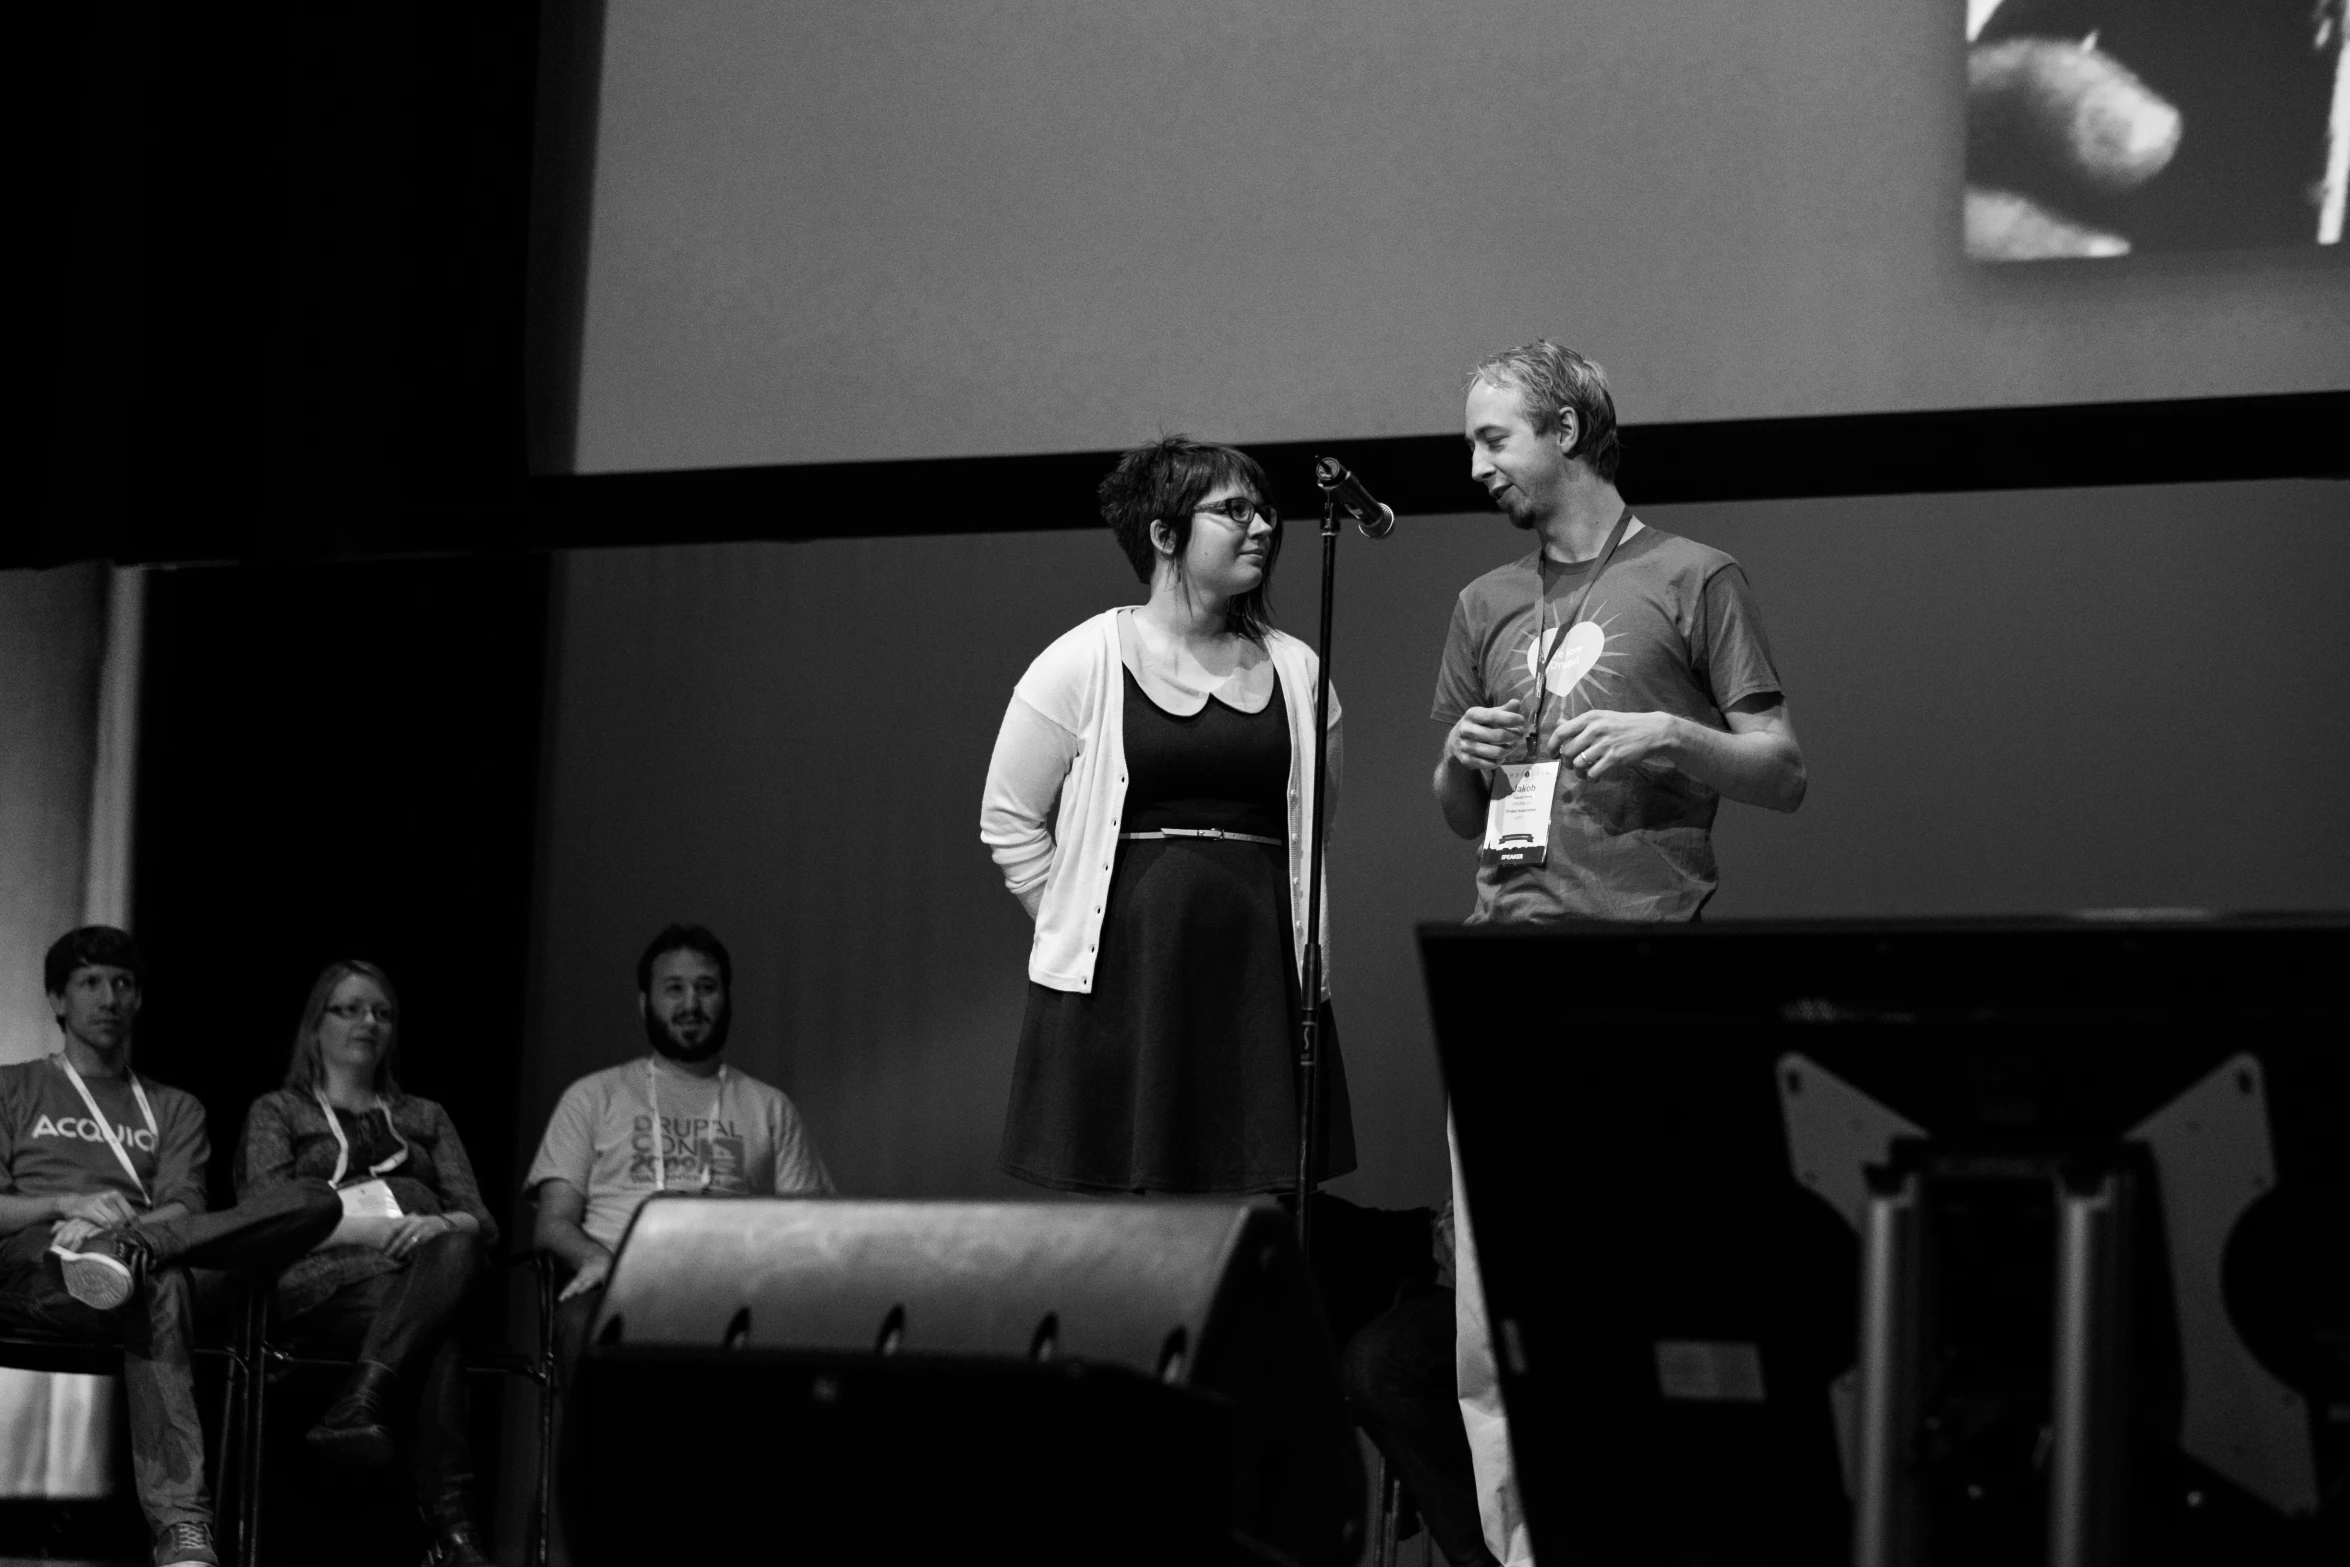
186, 1545
105, 1269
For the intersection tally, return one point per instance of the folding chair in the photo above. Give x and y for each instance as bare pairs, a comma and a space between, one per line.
23, 1350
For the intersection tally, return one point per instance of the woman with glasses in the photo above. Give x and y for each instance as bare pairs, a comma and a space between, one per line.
385, 1287
1148, 803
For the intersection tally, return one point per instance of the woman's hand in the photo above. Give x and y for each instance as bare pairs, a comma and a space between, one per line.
404, 1234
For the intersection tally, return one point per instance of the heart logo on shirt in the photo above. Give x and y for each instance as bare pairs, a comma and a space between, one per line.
1572, 657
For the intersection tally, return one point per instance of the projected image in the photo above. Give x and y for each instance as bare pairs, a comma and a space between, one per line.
2099, 128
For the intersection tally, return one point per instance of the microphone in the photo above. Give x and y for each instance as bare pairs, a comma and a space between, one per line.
1376, 521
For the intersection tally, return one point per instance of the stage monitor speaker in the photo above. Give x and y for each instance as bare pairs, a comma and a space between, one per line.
1127, 1381
1934, 1242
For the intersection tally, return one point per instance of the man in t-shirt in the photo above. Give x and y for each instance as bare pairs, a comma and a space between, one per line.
1601, 695
102, 1214
679, 1120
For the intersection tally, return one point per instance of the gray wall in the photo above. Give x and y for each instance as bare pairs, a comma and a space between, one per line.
56, 1432
52, 645
2009, 703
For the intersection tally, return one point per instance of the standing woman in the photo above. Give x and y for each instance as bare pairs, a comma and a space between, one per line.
1149, 802
386, 1285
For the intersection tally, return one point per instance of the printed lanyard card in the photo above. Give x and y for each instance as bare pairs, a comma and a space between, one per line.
369, 1200
1517, 818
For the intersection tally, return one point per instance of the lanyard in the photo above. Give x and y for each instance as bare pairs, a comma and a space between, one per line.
653, 1089
334, 1124
106, 1127
1544, 654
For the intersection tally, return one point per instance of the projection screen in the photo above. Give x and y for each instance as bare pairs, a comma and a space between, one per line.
895, 229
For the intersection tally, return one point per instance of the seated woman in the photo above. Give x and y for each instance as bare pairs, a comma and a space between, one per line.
387, 1284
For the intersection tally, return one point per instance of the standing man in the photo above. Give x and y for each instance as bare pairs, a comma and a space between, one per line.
679, 1121
1601, 695
102, 1214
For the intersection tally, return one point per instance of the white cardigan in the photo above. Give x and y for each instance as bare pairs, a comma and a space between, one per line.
1064, 738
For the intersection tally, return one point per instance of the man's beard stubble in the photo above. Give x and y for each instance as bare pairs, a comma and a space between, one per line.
1523, 514
669, 1045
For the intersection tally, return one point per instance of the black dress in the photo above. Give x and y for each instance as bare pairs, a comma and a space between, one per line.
1178, 1072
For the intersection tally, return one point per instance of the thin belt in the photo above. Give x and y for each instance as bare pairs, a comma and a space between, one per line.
1205, 832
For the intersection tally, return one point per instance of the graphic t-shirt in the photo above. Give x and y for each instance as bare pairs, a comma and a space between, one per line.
725, 1136
1669, 627
50, 1146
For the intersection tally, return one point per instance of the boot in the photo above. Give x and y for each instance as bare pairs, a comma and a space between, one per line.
356, 1428
453, 1545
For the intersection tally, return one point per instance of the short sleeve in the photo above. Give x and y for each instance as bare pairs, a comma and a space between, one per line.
1459, 686
799, 1171
186, 1151
1729, 647
568, 1150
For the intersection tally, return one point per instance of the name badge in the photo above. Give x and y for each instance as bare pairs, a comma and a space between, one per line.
369, 1200
1517, 818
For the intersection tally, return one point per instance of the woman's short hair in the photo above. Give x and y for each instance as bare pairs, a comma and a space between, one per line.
1552, 379
1164, 482
304, 1070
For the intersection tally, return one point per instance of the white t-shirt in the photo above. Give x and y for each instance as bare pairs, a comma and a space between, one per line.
723, 1136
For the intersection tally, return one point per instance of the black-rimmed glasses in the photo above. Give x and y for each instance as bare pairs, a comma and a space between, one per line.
1242, 510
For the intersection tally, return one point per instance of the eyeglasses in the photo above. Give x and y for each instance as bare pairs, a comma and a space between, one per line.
353, 1011
1241, 510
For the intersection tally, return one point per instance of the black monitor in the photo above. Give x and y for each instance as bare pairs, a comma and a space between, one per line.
1672, 1137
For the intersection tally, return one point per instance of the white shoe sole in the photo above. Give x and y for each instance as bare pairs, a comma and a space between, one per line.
94, 1278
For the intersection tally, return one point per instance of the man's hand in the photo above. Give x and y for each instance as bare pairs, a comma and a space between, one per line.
1474, 746
1597, 741
1484, 736
89, 1214
71, 1233
102, 1210
591, 1275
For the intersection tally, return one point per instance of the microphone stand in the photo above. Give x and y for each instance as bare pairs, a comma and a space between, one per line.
1309, 1023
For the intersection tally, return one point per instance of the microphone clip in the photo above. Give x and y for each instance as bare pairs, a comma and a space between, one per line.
1346, 492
